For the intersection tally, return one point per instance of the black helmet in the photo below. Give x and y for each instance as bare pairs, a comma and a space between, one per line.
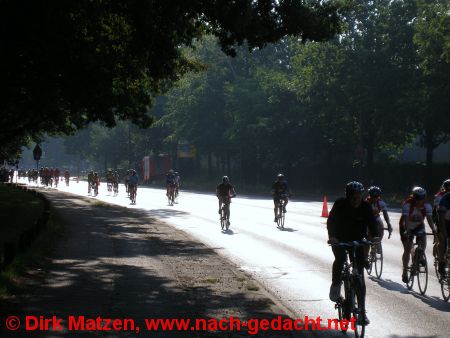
446, 184
353, 187
374, 191
225, 179
419, 193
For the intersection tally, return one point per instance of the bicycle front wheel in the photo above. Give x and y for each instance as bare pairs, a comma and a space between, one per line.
422, 271
223, 219
379, 260
435, 255
371, 260
445, 287
358, 310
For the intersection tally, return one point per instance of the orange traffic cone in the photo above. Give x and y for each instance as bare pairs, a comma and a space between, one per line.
325, 207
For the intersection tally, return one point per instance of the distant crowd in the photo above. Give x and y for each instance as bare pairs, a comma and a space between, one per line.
6, 175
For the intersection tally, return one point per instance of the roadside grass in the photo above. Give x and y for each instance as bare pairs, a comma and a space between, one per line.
35, 259
19, 210
100, 204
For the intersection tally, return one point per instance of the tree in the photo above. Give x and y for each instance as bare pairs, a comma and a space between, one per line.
65, 64
430, 95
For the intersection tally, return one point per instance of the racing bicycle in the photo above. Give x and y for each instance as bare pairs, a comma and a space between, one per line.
352, 304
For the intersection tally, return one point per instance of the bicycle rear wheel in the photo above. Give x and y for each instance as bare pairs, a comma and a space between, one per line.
379, 260
422, 271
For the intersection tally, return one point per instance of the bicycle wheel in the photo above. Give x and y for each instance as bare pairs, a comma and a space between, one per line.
379, 260
358, 310
422, 270
371, 260
223, 219
435, 255
339, 306
445, 287
411, 275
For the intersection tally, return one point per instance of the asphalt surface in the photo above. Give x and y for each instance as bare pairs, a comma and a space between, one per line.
295, 264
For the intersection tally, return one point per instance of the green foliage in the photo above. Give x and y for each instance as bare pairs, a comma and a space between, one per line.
65, 64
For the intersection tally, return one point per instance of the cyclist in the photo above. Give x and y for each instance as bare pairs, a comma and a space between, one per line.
443, 226
133, 181
280, 191
109, 179
378, 205
349, 220
224, 192
415, 210
177, 183
170, 181
96, 183
116, 181
56, 174
90, 180
67, 176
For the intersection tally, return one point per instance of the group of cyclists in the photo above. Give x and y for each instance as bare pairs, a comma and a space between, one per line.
6, 175
131, 181
357, 217
354, 218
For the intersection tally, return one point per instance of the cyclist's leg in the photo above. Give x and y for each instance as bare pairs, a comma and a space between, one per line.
340, 256
275, 207
422, 241
443, 234
407, 242
220, 205
286, 201
360, 261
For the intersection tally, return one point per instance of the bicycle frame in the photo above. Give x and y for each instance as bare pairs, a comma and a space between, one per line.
353, 302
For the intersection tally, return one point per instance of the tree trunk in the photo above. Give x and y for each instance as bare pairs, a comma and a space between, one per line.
210, 169
370, 162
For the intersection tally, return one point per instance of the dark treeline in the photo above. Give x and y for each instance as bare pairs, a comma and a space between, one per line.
322, 113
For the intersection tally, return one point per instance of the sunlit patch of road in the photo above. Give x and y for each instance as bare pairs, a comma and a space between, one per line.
295, 264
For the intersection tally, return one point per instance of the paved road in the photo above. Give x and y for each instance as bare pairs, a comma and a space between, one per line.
295, 264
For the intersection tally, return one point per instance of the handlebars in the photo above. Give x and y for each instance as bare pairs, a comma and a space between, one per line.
363, 242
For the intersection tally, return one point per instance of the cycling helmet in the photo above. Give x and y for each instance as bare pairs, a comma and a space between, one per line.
446, 184
353, 187
419, 193
225, 179
280, 176
374, 191
171, 171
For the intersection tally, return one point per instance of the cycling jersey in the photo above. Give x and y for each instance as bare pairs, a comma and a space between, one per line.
444, 206
438, 197
280, 188
347, 223
133, 180
225, 190
378, 206
170, 179
415, 215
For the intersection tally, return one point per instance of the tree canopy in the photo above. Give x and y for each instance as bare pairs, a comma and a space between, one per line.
64, 64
